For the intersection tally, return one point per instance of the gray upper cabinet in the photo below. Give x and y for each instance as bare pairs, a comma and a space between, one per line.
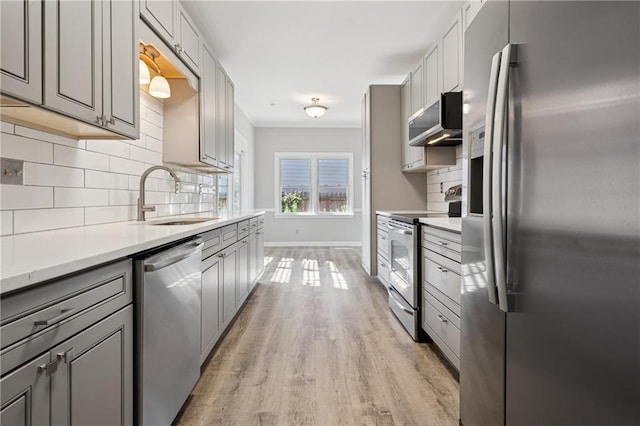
91, 65
208, 100
21, 49
433, 88
452, 57
120, 68
417, 88
225, 123
73, 58
189, 40
405, 106
229, 123
161, 16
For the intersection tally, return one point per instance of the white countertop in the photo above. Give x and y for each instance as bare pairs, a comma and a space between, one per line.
453, 224
400, 212
28, 259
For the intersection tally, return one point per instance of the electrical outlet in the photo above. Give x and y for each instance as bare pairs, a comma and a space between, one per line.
11, 171
441, 188
297, 231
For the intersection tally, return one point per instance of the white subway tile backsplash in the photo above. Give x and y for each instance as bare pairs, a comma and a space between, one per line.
122, 165
21, 148
448, 177
72, 157
145, 155
15, 197
49, 137
123, 197
80, 197
153, 144
45, 175
106, 180
72, 182
6, 222
115, 148
97, 215
6, 127
150, 129
45, 219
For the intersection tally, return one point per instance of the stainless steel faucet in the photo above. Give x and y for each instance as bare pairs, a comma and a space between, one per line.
141, 206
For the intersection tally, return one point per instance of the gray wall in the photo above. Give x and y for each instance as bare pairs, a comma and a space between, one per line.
306, 230
245, 141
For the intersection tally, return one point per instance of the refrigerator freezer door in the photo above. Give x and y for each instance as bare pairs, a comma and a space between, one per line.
573, 344
482, 322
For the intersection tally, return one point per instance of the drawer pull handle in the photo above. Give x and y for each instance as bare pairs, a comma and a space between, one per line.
65, 313
444, 243
442, 319
441, 269
383, 238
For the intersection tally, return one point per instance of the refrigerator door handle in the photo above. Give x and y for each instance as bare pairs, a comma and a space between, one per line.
486, 178
498, 189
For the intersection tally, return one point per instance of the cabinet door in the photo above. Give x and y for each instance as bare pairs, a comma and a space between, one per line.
208, 93
417, 88
242, 282
188, 40
210, 308
73, 58
229, 123
21, 49
94, 381
253, 260
405, 106
260, 252
120, 67
229, 278
432, 75
25, 395
221, 118
451, 52
161, 16
366, 133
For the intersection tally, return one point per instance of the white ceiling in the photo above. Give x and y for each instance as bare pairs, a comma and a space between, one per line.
285, 52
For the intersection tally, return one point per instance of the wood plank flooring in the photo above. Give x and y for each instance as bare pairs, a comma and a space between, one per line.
317, 345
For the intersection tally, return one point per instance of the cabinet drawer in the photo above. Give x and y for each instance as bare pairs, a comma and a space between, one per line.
442, 278
63, 307
382, 222
229, 235
383, 271
243, 229
260, 222
442, 250
442, 298
383, 243
443, 332
253, 225
212, 242
447, 244
435, 234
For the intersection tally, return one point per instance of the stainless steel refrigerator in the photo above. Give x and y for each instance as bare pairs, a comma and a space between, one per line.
550, 331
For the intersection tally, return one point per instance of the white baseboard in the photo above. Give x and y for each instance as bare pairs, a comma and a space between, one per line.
315, 244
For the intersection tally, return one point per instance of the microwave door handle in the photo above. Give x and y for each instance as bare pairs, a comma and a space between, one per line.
486, 178
499, 190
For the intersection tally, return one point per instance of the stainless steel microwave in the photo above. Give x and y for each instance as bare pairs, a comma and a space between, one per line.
439, 124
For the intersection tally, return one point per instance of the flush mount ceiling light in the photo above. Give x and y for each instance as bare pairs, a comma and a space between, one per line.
315, 110
158, 86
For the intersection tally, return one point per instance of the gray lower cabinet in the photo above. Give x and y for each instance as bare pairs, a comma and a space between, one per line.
242, 281
21, 49
76, 336
253, 259
229, 278
210, 310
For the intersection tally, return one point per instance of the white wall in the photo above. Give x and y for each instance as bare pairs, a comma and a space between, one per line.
306, 230
449, 177
70, 182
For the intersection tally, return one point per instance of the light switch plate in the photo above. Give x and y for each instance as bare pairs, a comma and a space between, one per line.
11, 171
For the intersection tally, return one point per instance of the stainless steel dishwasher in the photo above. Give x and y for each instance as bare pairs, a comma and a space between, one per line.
168, 330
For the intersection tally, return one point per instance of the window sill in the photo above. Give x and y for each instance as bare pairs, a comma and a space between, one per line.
313, 215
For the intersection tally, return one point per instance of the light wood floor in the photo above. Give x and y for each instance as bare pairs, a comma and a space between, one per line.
317, 345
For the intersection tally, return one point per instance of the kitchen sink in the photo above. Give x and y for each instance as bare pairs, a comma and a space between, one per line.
185, 221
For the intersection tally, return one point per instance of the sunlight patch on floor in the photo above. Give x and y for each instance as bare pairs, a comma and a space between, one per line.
337, 278
282, 274
310, 273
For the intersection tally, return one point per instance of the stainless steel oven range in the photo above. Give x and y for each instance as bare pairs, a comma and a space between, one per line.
404, 291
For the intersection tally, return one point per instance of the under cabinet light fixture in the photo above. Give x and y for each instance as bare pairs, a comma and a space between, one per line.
315, 110
158, 86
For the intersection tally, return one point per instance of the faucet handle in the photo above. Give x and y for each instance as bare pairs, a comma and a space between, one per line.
148, 208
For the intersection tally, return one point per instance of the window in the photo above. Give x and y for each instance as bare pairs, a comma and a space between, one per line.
237, 181
223, 194
314, 183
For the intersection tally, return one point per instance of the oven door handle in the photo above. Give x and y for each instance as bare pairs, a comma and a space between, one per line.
398, 299
399, 230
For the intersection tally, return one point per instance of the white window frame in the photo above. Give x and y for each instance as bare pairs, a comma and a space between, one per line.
313, 157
